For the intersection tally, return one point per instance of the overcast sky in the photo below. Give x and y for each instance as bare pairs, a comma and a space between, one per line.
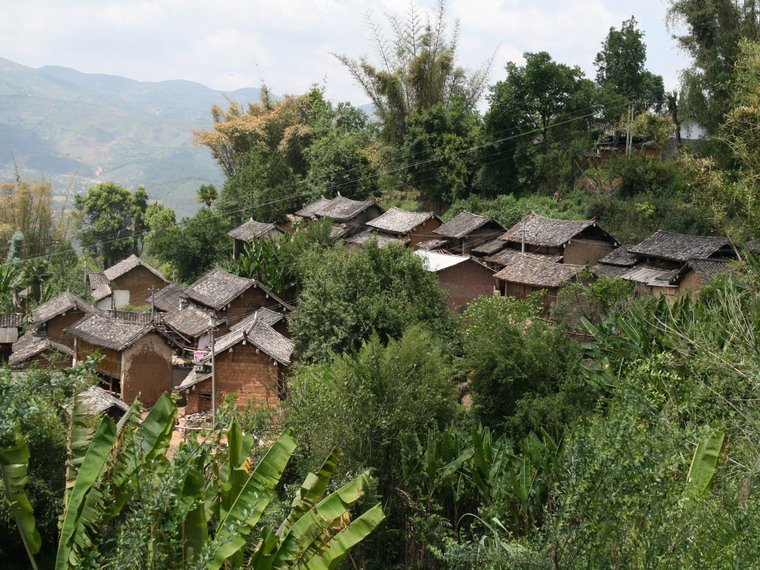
228, 44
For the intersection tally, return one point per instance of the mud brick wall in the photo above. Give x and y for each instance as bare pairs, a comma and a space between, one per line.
138, 282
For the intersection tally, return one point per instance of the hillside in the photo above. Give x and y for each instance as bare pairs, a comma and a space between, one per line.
78, 129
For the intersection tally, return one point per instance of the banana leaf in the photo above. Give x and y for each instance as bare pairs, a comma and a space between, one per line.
310, 532
14, 465
346, 539
91, 467
251, 502
703, 464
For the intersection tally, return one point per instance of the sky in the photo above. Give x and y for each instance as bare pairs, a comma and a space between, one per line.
289, 44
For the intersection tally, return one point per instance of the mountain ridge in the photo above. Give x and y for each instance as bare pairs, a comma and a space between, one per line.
77, 129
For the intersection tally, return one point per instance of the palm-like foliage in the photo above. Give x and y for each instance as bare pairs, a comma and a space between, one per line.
210, 520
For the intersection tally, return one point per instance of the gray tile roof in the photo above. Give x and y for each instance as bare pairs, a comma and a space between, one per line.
190, 321
705, 268
535, 229
313, 209
11, 320
432, 244
651, 276
490, 247
620, 256
263, 337
251, 229
168, 298
464, 224
8, 335
97, 401
400, 221
753, 245
192, 379
609, 271
679, 247
509, 256
382, 239
31, 349
538, 273
66, 301
264, 315
218, 288
96, 280
128, 264
101, 330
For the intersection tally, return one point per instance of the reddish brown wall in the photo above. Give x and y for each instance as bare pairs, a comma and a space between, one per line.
465, 282
585, 251
146, 370
423, 232
56, 325
242, 306
243, 372
138, 282
690, 284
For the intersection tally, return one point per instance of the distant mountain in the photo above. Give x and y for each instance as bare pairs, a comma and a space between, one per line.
78, 129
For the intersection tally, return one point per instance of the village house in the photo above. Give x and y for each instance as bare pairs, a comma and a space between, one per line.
99, 402
277, 321
189, 325
462, 277
414, 227
670, 250
362, 238
166, 299
578, 242
528, 275
616, 263
464, 232
50, 319
231, 297
128, 282
10, 326
137, 361
250, 230
696, 273
43, 353
250, 362
349, 216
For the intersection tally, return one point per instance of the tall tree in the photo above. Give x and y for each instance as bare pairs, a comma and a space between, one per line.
111, 221
713, 31
621, 74
417, 70
27, 207
536, 124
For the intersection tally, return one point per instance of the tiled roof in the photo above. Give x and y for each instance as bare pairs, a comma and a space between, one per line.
101, 330
464, 224
192, 379
11, 320
32, 349
66, 301
620, 256
679, 247
705, 268
753, 245
340, 208
263, 337
400, 221
8, 335
535, 229
509, 256
168, 298
96, 280
490, 247
313, 209
538, 273
97, 401
218, 288
381, 239
191, 320
609, 271
432, 244
128, 264
251, 229
264, 315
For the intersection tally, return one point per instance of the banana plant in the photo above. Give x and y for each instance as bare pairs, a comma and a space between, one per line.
218, 517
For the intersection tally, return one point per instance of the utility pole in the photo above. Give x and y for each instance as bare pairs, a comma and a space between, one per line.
628, 132
213, 371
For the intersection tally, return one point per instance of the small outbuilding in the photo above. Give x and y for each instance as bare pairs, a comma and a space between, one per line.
128, 282
250, 230
463, 277
528, 275
415, 227
466, 231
